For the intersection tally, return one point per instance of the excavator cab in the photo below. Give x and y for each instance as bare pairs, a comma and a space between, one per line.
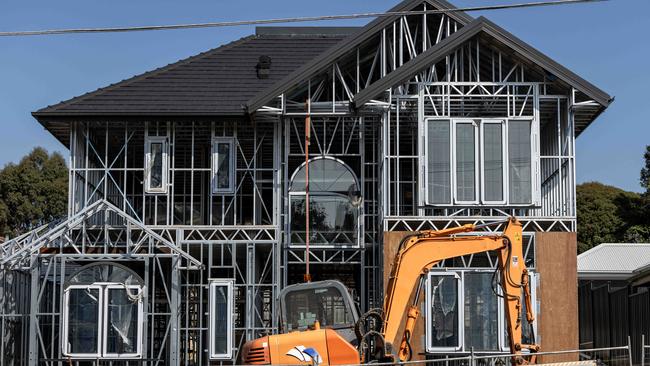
327, 302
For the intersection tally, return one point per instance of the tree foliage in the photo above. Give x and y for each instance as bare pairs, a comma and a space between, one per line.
645, 171
609, 214
599, 216
32, 192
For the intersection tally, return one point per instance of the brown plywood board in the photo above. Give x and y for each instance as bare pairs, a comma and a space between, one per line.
392, 240
558, 294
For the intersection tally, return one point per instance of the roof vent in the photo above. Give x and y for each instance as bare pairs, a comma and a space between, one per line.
263, 67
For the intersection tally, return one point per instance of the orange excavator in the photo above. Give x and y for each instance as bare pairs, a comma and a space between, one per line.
319, 323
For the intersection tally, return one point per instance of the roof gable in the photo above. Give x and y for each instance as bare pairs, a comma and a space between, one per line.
442, 49
485, 27
347, 45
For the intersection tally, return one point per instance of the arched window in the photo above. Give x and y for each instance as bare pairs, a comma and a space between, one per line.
334, 202
103, 313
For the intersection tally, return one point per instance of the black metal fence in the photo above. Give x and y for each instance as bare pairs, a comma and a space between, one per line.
610, 314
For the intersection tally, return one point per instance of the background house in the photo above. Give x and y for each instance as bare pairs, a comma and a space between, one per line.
613, 295
187, 200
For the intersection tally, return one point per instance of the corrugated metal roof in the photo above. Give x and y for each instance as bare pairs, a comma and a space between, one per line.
214, 83
623, 259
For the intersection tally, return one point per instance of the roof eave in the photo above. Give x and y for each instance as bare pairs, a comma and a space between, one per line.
604, 275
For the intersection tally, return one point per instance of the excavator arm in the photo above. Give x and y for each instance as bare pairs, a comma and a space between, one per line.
419, 253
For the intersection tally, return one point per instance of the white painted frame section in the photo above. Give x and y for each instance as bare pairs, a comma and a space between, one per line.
429, 317
138, 290
424, 160
102, 328
229, 285
65, 346
150, 140
230, 141
504, 160
454, 161
478, 150
300, 192
502, 341
536, 180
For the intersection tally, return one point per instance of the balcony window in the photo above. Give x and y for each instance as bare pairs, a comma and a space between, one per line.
223, 165
480, 162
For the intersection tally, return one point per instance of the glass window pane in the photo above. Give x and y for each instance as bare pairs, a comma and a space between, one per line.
481, 320
221, 320
325, 175
83, 312
327, 305
223, 166
519, 158
332, 217
527, 329
493, 161
156, 165
465, 162
444, 311
439, 162
122, 321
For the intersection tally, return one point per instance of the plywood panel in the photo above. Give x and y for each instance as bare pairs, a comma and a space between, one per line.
558, 293
392, 240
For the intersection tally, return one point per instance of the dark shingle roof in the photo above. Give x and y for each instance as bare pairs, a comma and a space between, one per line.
217, 82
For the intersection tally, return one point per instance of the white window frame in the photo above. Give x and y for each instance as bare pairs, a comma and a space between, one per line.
294, 193
66, 314
459, 274
461, 312
535, 193
504, 159
454, 161
425, 158
138, 353
229, 284
233, 161
102, 330
149, 140
479, 178
503, 341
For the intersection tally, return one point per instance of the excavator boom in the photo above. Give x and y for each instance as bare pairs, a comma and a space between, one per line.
377, 331
420, 252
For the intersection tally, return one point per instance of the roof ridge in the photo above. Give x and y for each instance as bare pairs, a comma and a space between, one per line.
144, 75
345, 45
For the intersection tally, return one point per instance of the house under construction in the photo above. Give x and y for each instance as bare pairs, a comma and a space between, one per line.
188, 202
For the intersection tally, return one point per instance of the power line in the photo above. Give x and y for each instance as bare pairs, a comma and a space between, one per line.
290, 20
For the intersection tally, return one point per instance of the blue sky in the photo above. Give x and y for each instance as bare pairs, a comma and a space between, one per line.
606, 43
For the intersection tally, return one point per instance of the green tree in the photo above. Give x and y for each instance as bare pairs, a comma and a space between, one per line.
599, 214
645, 171
32, 192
